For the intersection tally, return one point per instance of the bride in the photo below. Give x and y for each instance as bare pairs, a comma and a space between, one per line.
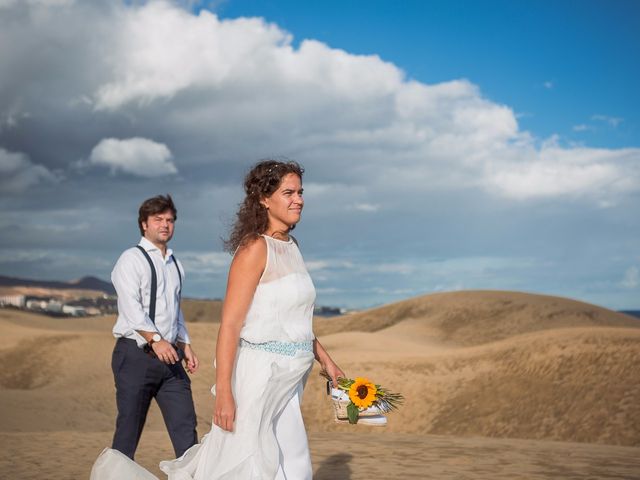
266, 347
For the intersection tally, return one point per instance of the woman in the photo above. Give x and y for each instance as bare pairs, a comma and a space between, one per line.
266, 345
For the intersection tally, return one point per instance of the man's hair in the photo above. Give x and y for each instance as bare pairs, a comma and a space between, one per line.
153, 206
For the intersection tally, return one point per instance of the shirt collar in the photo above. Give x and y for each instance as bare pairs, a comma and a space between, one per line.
150, 247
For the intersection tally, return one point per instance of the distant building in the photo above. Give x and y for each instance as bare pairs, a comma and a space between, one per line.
37, 304
12, 301
92, 311
323, 311
73, 310
54, 306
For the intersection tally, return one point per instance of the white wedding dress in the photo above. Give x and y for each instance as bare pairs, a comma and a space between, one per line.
273, 360
269, 440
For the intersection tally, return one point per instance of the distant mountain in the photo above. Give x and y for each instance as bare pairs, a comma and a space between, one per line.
84, 283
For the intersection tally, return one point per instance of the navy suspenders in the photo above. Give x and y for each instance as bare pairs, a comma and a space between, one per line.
154, 283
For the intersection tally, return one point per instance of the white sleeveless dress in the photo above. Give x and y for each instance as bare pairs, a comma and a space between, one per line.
273, 360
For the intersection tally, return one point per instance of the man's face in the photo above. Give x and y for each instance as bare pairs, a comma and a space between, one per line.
158, 228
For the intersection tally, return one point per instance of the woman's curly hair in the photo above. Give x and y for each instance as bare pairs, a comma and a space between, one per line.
261, 182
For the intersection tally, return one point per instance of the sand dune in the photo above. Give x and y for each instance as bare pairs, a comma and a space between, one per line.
473, 317
472, 365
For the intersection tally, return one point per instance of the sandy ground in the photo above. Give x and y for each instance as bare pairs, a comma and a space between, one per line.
349, 455
497, 385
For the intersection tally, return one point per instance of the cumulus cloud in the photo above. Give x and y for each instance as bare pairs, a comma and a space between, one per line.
392, 163
342, 102
136, 156
157, 59
18, 173
238, 88
557, 171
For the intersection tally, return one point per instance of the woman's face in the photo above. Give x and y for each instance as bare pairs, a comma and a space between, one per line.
284, 206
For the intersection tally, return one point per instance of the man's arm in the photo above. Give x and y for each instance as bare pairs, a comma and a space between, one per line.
127, 280
184, 342
183, 334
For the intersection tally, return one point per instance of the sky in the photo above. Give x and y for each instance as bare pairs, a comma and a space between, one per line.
447, 145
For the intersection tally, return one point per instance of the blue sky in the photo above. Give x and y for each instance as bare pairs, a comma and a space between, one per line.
447, 145
556, 63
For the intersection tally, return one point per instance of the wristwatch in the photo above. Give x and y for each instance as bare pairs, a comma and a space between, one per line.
156, 338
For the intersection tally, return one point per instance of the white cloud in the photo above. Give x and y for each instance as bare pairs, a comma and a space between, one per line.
239, 89
18, 173
314, 265
159, 83
136, 156
37, 3
400, 268
154, 61
611, 121
204, 262
631, 277
366, 207
548, 85
582, 128
555, 171
53, 259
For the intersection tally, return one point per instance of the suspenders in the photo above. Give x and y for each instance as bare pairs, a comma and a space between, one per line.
154, 283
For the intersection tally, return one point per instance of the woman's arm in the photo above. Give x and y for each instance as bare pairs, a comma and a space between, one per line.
244, 274
328, 365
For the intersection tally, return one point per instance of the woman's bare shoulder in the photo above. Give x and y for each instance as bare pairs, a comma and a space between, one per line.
251, 250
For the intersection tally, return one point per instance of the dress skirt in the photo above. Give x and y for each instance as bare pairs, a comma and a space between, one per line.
269, 440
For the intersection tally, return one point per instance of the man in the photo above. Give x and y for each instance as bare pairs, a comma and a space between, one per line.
146, 359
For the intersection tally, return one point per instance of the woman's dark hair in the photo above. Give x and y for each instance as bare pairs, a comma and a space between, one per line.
261, 182
153, 206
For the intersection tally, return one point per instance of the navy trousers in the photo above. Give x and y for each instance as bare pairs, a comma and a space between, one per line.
139, 378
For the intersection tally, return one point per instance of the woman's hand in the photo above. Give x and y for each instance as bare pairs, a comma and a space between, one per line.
333, 370
244, 274
327, 364
224, 413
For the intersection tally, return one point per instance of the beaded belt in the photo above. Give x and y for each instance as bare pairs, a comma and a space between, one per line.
282, 348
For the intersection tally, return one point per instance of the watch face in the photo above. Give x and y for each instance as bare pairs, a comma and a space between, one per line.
156, 337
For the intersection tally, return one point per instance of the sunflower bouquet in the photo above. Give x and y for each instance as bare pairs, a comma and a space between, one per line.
365, 398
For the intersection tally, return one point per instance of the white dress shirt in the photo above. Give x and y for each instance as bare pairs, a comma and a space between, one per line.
131, 277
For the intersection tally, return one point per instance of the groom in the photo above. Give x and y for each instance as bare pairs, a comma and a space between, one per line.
152, 337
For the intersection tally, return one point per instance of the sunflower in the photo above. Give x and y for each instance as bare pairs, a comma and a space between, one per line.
362, 393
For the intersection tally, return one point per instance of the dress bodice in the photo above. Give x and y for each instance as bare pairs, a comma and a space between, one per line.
282, 305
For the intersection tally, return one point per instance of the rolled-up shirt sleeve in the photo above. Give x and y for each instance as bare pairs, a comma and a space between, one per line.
183, 334
126, 278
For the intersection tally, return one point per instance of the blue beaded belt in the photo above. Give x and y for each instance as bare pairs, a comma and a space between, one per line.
281, 348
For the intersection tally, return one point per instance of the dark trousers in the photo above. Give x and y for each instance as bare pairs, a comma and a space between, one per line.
139, 377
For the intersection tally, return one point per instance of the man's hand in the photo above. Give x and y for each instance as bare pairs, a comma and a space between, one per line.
165, 352
191, 362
